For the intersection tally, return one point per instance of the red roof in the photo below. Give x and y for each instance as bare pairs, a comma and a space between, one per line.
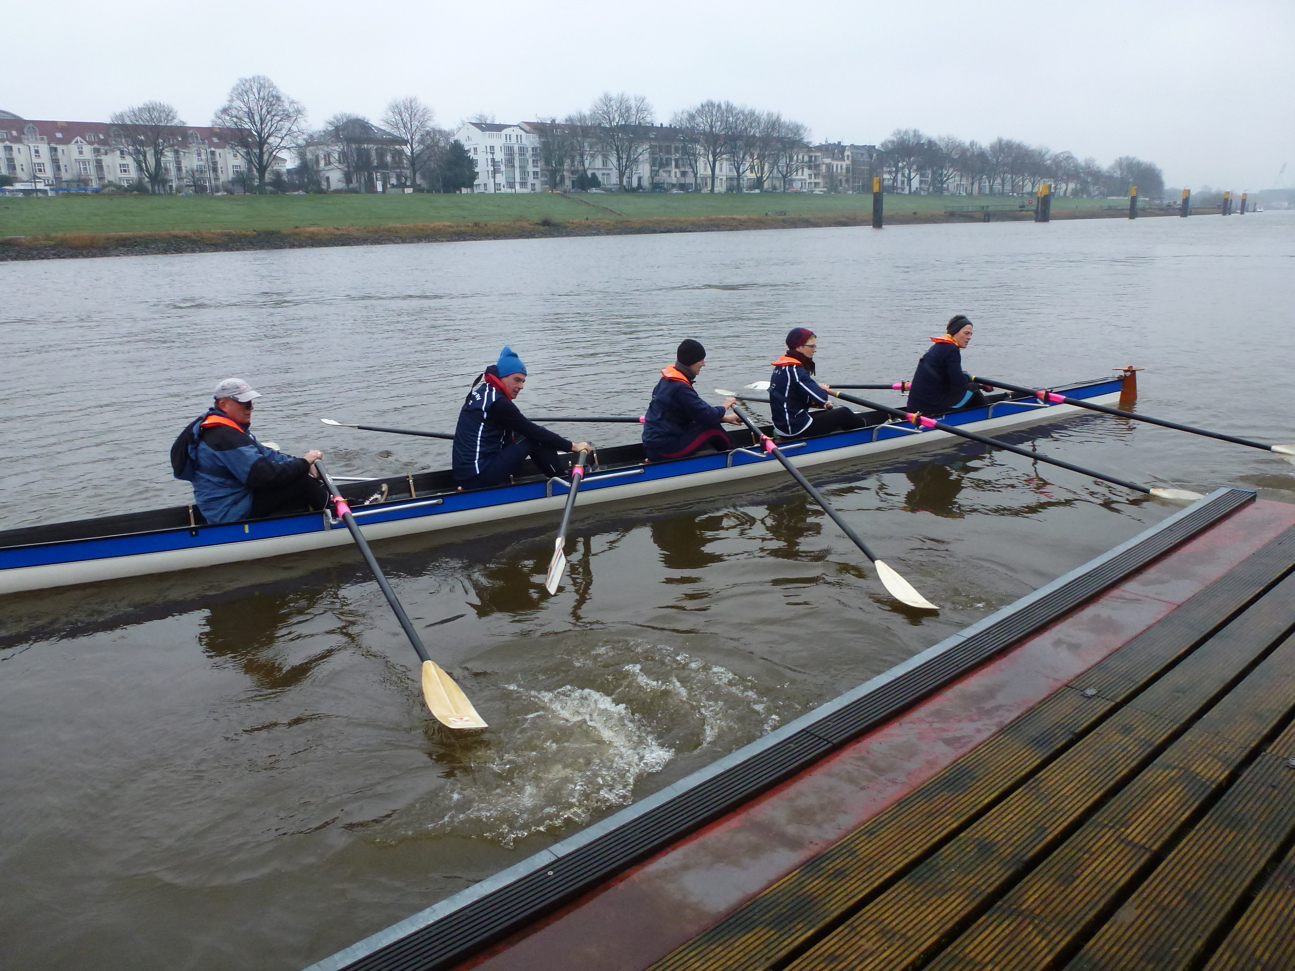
99, 132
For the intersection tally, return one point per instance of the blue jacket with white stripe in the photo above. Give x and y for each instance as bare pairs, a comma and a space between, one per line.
488, 422
792, 391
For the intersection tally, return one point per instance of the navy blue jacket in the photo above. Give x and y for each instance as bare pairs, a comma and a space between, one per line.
939, 382
227, 464
488, 422
675, 406
792, 390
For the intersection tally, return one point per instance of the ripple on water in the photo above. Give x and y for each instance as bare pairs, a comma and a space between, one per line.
577, 750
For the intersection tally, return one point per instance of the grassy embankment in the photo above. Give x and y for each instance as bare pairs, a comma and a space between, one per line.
103, 225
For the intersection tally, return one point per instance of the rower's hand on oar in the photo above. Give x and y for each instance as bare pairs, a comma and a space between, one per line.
729, 402
313, 456
582, 447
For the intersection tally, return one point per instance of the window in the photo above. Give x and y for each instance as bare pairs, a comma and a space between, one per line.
35, 152
39, 168
85, 166
123, 168
80, 149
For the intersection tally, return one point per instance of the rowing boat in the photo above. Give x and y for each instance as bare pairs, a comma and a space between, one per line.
177, 538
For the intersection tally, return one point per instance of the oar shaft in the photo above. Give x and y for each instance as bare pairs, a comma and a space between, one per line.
577, 476
992, 442
602, 420
893, 386
804, 482
378, 575
1054, 398
405, 431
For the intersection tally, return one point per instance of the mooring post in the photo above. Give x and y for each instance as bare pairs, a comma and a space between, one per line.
1244, 197
1043, 203
876, 202
1187, 203
1227, 203
1133, 202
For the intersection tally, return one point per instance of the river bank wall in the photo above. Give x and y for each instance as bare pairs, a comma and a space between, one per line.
82, 244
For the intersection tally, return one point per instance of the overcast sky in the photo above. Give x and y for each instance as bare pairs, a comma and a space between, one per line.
1204, 89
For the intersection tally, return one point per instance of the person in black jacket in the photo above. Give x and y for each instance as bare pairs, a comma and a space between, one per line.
493, 438
678, 422
793, 391
939, 383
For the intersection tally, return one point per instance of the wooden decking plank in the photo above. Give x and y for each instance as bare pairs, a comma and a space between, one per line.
1187, 902
1048, 912
1164, 643
795, 908
1264, 937
906, 923
791, 912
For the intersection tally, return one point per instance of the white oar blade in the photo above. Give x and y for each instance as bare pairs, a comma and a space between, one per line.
1284, 449
329, 421
557, 567
726, 394
759, 385
900, 588
447, 701
1177, 495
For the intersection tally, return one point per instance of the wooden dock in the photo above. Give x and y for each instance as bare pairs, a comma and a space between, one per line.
1142, 817
1101, 775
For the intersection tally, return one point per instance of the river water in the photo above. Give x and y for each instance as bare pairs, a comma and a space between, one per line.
234, 769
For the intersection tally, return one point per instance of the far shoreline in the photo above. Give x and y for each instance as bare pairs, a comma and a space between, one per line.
78, 245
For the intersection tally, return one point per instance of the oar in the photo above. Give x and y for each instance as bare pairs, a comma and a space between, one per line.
893, 386
393, 431
1061, 399
601, 420
1179, 495
445, 698
899, 588
558, 565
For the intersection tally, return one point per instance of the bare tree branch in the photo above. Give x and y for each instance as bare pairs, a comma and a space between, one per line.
147, 131
263, 121
413, 122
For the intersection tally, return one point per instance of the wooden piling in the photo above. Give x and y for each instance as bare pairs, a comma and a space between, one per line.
1244, 197
1227, 203
1133, 202
1187, 203
877, 203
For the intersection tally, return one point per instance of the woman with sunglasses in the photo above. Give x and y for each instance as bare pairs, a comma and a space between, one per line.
793, 391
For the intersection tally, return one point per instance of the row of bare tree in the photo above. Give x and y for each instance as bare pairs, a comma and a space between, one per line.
261, 123
622, 127
1007, 167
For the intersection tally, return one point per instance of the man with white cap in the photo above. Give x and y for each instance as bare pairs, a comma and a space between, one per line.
236, 477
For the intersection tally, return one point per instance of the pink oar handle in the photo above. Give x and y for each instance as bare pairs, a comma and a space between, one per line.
1049, 397
768, 443
577, 471
342, 507
902, 385
922, 420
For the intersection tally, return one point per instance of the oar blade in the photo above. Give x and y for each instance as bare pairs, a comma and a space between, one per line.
447, 701
329, 421
557, 567
900, 588
1176, 495
759, 385
1284, 449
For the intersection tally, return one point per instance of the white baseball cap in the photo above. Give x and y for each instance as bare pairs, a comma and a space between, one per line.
236, 388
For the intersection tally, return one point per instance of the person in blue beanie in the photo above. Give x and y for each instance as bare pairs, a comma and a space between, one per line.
939, 383
493, 438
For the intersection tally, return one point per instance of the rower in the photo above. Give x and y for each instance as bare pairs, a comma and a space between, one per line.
236, 477
678, 422
939, 383
493, 438
793, 391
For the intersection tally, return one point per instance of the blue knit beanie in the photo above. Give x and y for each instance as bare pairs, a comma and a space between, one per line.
509, 363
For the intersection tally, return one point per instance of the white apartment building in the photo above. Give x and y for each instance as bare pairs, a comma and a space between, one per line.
507, 156
91, 154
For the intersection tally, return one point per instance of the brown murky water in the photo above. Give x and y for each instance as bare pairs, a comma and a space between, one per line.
234, 769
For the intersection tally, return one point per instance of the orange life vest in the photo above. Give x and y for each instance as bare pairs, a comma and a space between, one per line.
211, 421
672, 373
